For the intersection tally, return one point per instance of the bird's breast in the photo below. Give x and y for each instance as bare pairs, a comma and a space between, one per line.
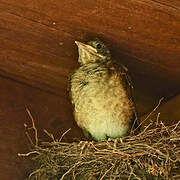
101, 102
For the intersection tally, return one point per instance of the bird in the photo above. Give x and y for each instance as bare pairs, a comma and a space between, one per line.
101, 94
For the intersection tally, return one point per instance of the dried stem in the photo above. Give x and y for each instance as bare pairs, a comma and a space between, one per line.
33, 126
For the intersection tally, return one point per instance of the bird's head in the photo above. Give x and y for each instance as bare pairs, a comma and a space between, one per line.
93, 51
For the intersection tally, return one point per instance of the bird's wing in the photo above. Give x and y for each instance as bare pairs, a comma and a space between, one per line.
128, 85
69, 87
126, 79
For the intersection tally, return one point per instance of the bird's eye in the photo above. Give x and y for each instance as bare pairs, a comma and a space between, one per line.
98, 46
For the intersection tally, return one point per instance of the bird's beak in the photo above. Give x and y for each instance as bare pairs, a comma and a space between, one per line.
86, 47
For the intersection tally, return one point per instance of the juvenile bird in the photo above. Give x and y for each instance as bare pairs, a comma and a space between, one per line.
100, 94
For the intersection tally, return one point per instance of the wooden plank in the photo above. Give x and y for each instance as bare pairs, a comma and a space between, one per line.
30, 57
144, 35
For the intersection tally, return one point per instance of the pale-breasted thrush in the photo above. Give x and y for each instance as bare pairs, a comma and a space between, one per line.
100, 94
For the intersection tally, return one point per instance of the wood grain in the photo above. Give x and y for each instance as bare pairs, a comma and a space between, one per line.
37, 53
37, 40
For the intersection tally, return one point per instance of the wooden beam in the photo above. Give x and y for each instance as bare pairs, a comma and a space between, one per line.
37, 40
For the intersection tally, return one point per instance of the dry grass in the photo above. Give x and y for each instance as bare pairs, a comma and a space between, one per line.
152, 154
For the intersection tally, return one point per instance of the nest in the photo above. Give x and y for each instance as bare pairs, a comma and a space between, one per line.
152, 154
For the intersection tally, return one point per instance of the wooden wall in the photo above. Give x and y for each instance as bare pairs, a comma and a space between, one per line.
37, 53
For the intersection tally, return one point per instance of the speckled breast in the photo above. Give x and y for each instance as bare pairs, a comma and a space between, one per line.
101, 103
